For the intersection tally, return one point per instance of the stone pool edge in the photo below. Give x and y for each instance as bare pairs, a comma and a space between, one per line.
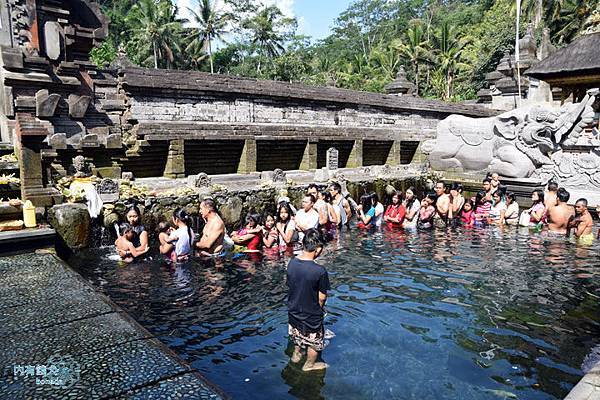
588, 388
155, 341
116, 338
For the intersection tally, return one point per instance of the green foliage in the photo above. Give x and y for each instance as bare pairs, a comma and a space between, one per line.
446, 46
103, 55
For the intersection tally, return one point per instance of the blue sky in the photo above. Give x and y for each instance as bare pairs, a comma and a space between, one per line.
315, 17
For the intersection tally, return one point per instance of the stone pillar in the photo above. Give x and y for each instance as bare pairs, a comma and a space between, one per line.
248, 158
309, 159
356, 155
29, 136
394, 155
175, 167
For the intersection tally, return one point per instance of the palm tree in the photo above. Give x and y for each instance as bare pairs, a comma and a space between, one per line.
448, 49
566, 18
211, 25
156, 29
415, 48
266, 35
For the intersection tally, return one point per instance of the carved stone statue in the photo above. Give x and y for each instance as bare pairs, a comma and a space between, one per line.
80, 169
200, 181
514, 144
279, 176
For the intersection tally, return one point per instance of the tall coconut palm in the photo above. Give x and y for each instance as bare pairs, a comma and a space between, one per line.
156, 29
415, 48
212, 24
448, 49
266, 30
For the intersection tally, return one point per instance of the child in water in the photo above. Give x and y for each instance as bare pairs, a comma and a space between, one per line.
249, 236
466, 216
427, 212
124, 244
183, 236
270, 235
164, 230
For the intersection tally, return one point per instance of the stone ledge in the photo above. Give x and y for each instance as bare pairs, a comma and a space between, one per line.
64, 317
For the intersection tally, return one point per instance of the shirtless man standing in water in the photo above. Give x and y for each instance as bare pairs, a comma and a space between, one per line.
560, 213
442, 205
213, 233
582, 223
550, 195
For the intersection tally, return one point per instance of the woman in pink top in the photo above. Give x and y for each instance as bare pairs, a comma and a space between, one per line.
537, 211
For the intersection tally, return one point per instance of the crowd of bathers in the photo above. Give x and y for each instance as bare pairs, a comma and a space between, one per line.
330, 209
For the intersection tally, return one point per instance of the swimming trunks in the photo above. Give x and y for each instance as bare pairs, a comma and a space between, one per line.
586, 239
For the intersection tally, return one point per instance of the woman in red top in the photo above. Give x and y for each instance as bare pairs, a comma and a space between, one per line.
394, 215
250, 235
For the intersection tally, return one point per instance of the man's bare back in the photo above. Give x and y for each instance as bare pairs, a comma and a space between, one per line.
559, 216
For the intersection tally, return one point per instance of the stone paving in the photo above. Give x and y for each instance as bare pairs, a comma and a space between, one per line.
588, 387
61, 339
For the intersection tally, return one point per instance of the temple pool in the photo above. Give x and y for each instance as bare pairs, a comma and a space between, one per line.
469, 314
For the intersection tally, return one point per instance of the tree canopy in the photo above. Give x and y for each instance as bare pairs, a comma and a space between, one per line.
446, 46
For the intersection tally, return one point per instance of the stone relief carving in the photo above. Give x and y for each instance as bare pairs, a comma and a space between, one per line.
200, 181
279, 176
108, 190
515, 144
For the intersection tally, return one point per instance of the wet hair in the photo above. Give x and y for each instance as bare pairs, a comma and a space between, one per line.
135, 209
366, 202
486, 179
251, 217
512, 196
374, 198
125, 228
432, 196
410, 202
399, 194
288, 208
582, 200
326, 196
266, 215
552, 186
312, 198
456, 186
469, 202
540, 194
163, 227
181, 215
336, 186
312, 240
563, 195
210, 203
502, 190
479, 197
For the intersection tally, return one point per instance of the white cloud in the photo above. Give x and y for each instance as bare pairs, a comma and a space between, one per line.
286, 7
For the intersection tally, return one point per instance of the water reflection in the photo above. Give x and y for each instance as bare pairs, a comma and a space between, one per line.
474, 313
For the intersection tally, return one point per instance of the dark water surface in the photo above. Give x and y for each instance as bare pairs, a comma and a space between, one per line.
473, 314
